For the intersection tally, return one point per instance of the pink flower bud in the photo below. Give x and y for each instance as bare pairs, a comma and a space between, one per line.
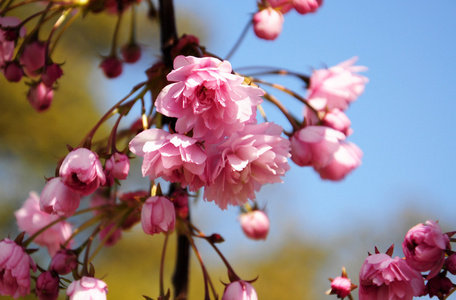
15, 267
424, 247
81, 171
111, 66
118, 165
87, 288
306, 6
32, 58
255, 224
47, 286
31, 219
50, 74
40, 96
239, 290
439, 286
57, 198
13, 71
268, 23
131, 53
450, 263
157, 215
341, 286
64, 261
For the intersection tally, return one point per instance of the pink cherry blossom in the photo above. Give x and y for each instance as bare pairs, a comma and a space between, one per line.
239, 290
81, 171
337, 120
47, 286
315, 146
268, 23
244, 162
15, 267
424, 247
40, 96
382, 277
345, 159
207, 98
158, 215
255, 224
31, 219
174, 157
32, 58
87, 288
57, 198
306, 6
337, 86
341, 286
117, 166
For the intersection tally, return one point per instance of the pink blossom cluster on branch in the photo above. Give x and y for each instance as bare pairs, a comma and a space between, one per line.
198, 130
426, 249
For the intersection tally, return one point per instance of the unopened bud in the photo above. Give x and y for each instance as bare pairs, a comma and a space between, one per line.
111, 66
131, 53
40, 96
13, 71
255, 224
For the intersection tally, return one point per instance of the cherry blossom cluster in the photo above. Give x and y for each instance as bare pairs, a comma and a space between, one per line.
423, 271
207, 136
202, 134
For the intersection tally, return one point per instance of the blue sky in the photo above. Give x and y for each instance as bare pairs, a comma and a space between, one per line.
404, 122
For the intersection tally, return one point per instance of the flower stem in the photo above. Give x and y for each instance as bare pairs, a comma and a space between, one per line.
239, 41
162, 265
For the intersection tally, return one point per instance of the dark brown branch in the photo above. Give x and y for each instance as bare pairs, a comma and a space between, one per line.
168, 29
